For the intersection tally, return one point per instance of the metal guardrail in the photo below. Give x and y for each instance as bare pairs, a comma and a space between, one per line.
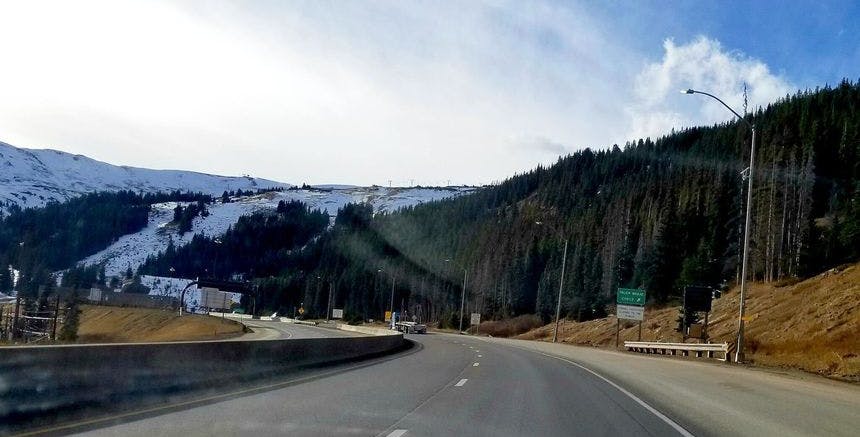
685, 349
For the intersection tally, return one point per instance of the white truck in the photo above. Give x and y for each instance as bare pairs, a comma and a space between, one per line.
411, 327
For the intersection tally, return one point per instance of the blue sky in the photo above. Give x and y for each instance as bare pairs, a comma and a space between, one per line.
811, 42
363, 92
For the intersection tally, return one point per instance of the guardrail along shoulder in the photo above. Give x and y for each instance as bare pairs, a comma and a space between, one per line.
683, 349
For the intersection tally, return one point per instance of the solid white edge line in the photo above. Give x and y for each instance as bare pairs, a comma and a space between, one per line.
461, 383
644, 404
397, 433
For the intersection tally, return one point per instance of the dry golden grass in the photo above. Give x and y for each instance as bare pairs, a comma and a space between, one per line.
106, 324
812, 325
511, 327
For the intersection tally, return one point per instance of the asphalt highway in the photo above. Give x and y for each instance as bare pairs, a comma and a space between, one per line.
446, 385
274, 329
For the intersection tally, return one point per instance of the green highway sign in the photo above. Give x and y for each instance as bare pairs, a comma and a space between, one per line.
631, 296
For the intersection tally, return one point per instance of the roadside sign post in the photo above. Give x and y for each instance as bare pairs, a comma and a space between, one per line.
475, 320
697, 299
630, 306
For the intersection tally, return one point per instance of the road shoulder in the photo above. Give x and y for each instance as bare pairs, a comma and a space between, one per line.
713, 398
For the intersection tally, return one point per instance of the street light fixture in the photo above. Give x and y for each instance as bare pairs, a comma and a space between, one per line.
739, 353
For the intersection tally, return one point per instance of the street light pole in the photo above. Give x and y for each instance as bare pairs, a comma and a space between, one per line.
328, 306
391, 305
462, 299
560, 287
739, 353
462, 294
376, 291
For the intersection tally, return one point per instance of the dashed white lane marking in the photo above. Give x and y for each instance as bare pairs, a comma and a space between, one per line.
397, 433
475, 365
480, 356
461, 383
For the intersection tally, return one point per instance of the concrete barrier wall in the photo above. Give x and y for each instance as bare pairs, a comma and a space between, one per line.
40, 380
369, 330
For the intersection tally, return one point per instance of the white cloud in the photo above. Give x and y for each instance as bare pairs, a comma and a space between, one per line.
701, 64
353, 92
350, 92
540, 144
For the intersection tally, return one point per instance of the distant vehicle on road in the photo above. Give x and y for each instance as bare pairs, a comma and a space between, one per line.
411, 327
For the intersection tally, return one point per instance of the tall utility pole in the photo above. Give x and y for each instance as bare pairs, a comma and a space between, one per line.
462, 294
560, 287
56, 316
328, 307
739, 353
391, 304
462, 299
376, 292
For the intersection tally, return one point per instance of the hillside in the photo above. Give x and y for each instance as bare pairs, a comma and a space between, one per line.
811, 325
104, 324
31, 178
131, 250
124, 220
654, 213
657, 213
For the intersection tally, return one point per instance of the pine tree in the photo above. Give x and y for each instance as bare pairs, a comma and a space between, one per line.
102, 277
69, 330
5, 277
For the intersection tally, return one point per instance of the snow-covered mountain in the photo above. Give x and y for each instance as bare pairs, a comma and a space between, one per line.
131, 250
31, 178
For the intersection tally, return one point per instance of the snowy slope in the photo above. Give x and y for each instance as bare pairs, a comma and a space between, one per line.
30, 178
131, 250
